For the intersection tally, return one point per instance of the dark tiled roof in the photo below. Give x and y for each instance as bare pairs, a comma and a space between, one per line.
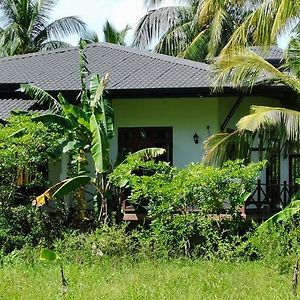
8, 105
128, 69
273, 53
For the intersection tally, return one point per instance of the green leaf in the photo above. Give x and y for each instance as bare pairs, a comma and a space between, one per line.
72, 184
18, 133
99, 149
284, 215
96, 90
80, 116
123, 181
48, 255
41, 96
146, 154
52, 118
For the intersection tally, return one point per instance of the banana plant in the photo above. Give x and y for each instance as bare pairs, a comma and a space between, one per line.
89, 128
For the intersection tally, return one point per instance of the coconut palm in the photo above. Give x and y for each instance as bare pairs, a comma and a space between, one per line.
193, 29
111, 35
265, 23
245, 69
27, 27
240, 67
269, 128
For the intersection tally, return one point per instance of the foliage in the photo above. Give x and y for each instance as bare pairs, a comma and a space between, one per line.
284, 215
271, 128
27, 27
24, 156
192, 235
25, 225
241, 67
193, 29
123, 174
265, 23
111, 35
106, 241
195, 187
277, 245
181, 205
88, 128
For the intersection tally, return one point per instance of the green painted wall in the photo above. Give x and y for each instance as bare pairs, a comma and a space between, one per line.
185, 115
226, 103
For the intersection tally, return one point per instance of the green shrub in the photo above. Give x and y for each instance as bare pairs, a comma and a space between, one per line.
106, 241
181, 203
209, 189
278, 246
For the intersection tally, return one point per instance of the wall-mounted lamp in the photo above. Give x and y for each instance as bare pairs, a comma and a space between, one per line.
196, 138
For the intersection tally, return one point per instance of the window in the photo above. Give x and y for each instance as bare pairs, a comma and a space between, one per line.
132, 139
294, 172
273, 179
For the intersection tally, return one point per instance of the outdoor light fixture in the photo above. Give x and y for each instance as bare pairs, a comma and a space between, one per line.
196, 138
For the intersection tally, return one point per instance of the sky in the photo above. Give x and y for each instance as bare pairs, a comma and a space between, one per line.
118, 12
96, 12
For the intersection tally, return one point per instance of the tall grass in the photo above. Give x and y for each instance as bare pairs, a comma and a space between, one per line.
149, 279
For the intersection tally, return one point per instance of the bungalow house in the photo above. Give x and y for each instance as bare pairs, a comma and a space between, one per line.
158, 101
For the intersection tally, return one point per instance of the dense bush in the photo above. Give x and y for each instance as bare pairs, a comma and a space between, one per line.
25, 149
181, 204
208, 189
278, 246
26, 225
106, 241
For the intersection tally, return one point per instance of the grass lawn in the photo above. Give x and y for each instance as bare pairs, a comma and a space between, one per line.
118, 279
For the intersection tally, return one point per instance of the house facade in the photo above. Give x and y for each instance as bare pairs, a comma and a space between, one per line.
159, 101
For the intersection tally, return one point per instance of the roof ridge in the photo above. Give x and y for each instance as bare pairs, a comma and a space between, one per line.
39, 53
162, 57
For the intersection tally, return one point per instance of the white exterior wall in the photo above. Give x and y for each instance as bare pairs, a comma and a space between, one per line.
187, 116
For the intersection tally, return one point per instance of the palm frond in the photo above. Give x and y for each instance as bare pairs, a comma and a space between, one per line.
197, 50
41, 97
151, 4
51, 45
112, 35
225, 146
62, 28
286, 121
243, 69
174, 41
221, 25
157, 22
265, 23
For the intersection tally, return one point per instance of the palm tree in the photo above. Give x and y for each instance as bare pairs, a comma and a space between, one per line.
27, 28
241, 68
194, 29
265, 23
265, 126
111, 35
